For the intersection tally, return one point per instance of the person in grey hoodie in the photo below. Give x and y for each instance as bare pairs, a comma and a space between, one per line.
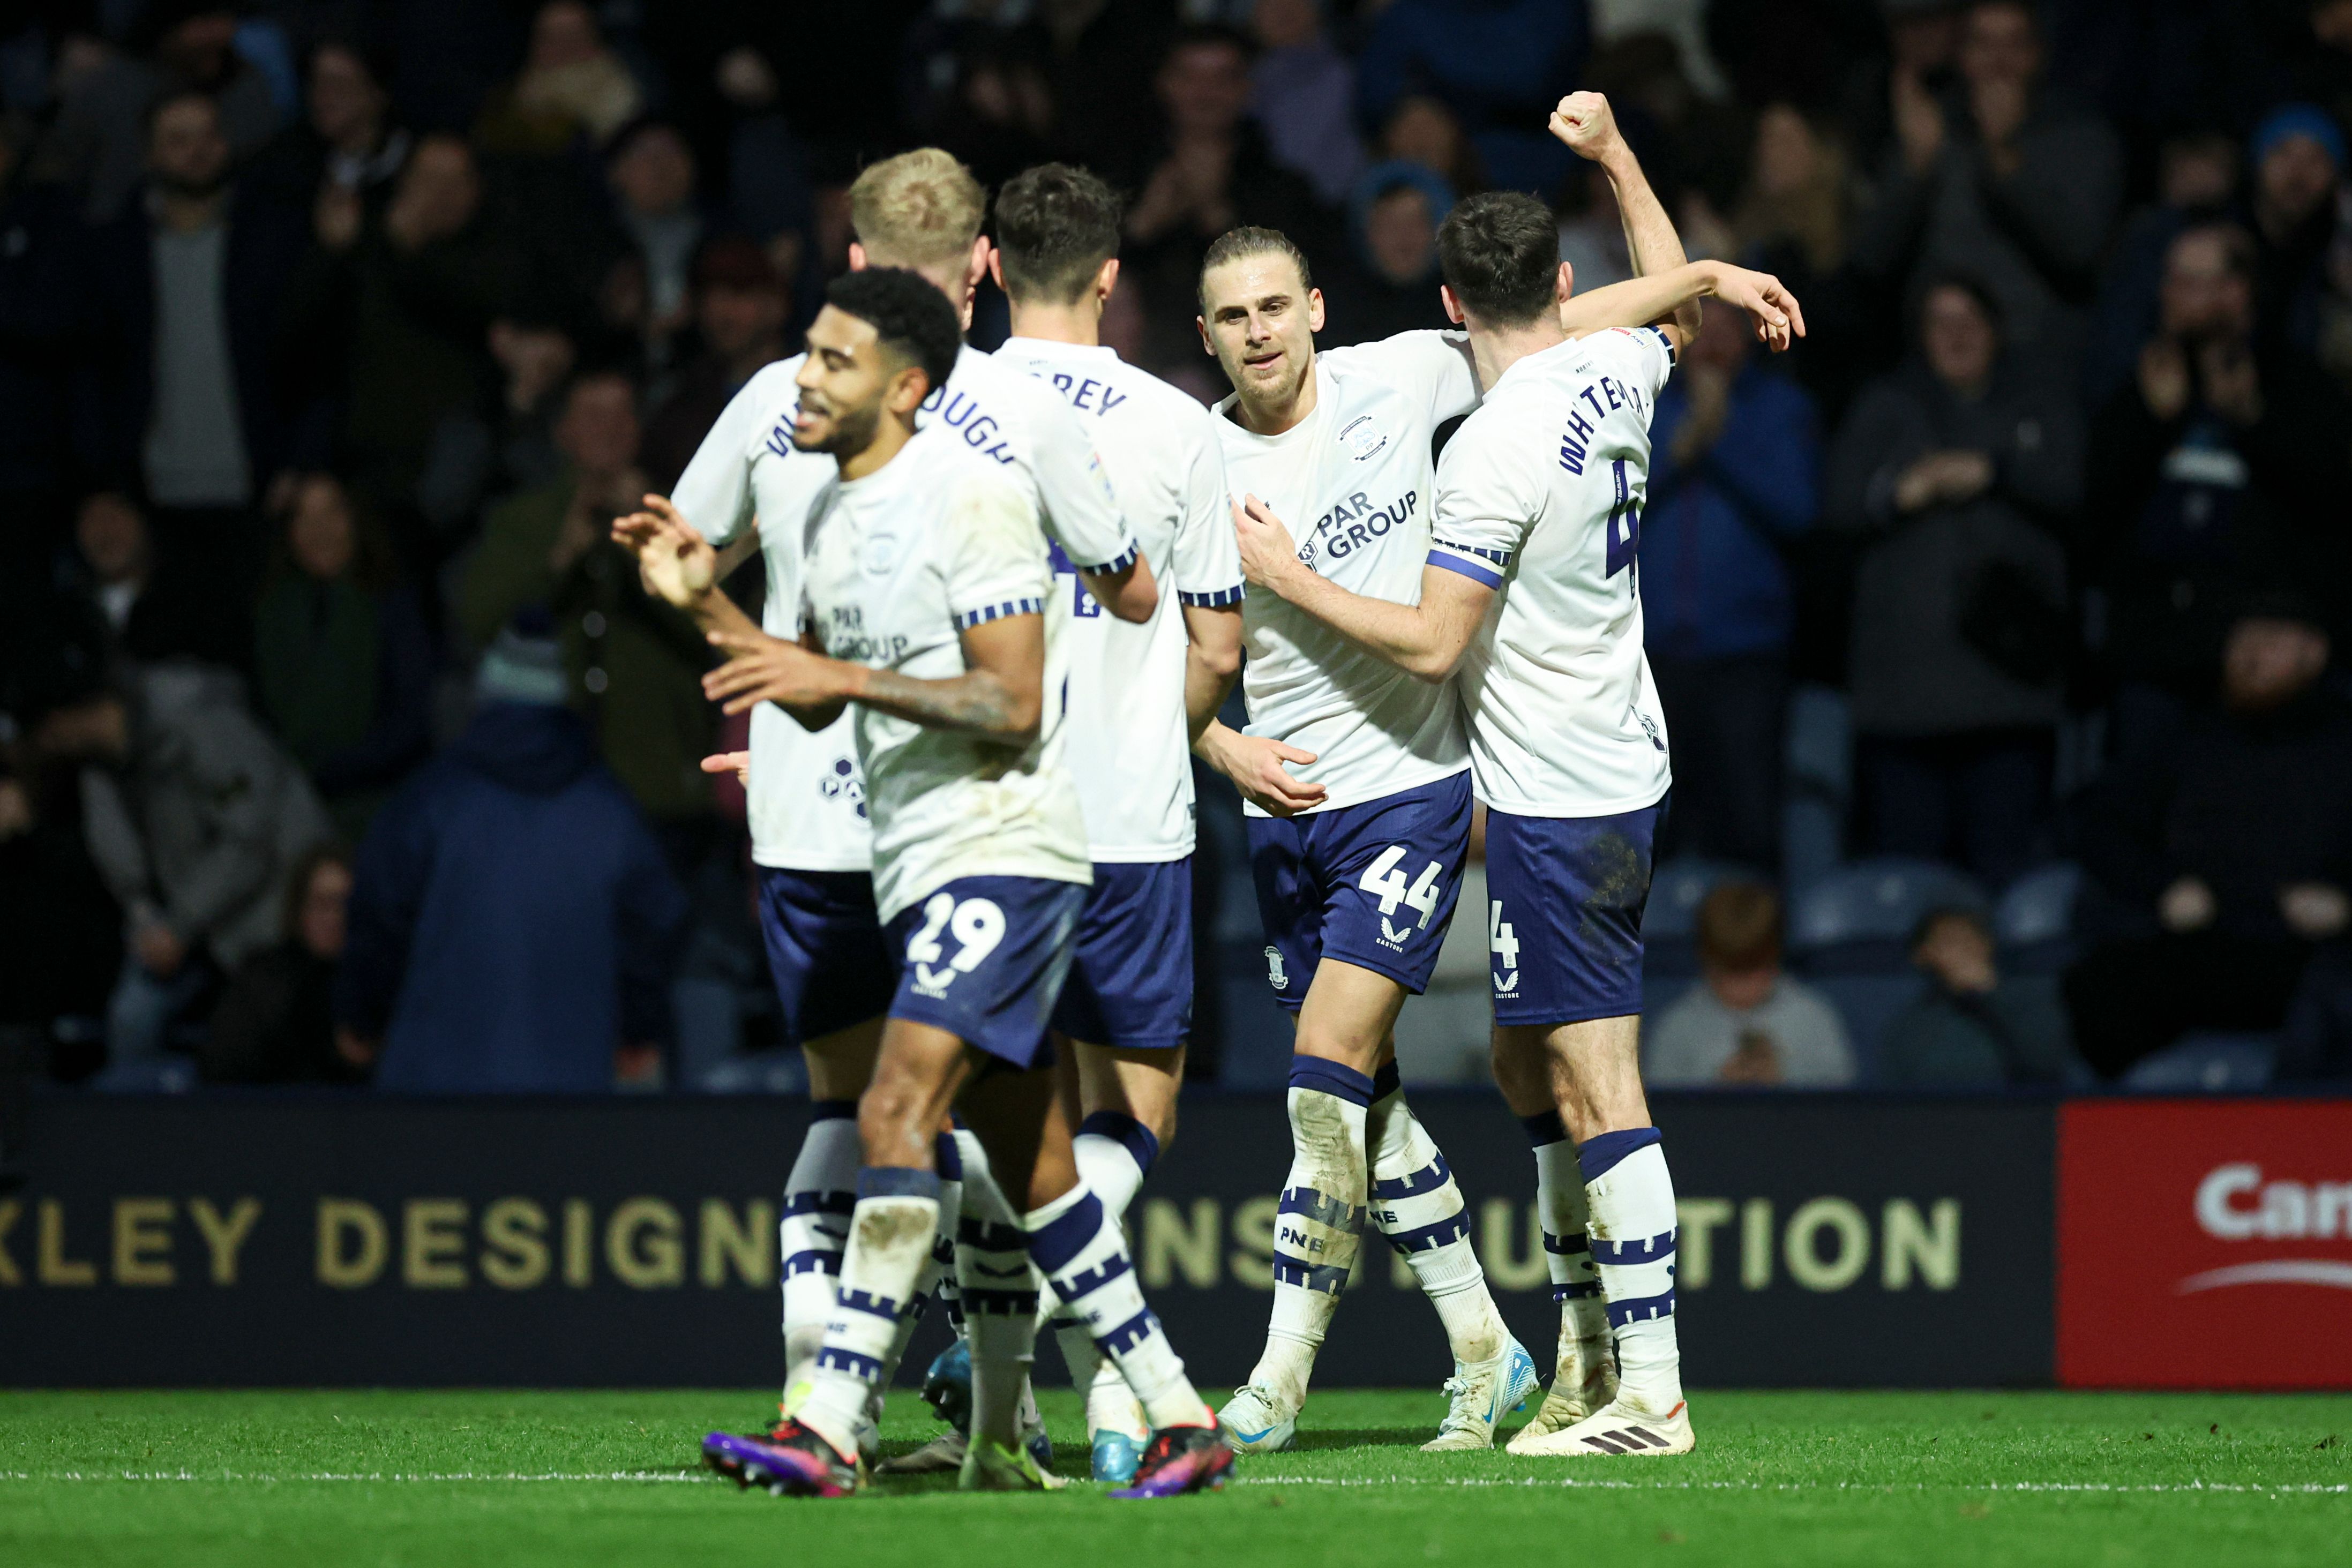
195, 818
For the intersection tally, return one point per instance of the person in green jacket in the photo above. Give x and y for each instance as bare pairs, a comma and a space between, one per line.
636, 665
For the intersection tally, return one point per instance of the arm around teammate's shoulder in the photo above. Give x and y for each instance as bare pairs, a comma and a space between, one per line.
1424, 640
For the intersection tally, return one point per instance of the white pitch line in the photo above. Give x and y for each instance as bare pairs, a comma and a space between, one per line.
2308, 1489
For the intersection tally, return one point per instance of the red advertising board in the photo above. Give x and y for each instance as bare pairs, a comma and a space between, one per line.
2205, 1244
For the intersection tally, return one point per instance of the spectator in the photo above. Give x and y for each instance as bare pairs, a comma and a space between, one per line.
188, 284
196, 820
1213, 172
636, 665
1959, 473
2196, 176
998, 116
483, 455
2297, 158
2210, 472
1746, 1024
276, 1020
511, 918
1592, 231
2236, 835
41, 262
347, 140
58, 925
1998, 179
1972, 1028
2316, 1049
572, 85
342, 660
409, 299
739, 313
1735, 454
651, 171
1795, 219
1302, 91
768, 191
1392, 285
1498, 65
1100, 60
100, 141
1423, 131
125, 598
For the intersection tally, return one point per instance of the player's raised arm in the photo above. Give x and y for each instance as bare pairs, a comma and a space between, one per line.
1585, 123
1659, 298
1426, 640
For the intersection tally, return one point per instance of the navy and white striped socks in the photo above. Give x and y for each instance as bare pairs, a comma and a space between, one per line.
1630, 1202
1000, 1287
818, 1197
1077, 1242
1585, 1371
1115, 1153
1319, 1227
890, 1237
1418, 1206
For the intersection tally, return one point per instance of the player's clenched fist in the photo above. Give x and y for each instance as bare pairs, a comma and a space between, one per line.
1583, 120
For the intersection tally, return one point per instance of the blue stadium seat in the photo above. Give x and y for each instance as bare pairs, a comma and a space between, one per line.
2035, 920
2206, 1063
1817, 763
1858, 920
1868, 1003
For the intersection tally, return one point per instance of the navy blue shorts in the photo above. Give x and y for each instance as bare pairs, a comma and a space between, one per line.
1131, 985
984, 957
825, 950
1564, 914
1372, 885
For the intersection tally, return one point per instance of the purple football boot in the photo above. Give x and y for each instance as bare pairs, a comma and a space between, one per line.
791, 1461
1182, 1460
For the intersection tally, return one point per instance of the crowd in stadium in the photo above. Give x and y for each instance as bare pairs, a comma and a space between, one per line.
1993, 625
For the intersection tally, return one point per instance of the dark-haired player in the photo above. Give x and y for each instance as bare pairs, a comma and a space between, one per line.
1138, 693
1538, 500
925, 578
810, 836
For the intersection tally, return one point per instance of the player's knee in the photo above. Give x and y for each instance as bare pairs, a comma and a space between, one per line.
892, 1124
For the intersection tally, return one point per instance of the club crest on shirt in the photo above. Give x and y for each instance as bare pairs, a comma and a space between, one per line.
1365, 440
877, 555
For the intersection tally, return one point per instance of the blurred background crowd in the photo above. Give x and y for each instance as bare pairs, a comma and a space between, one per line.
1994, 626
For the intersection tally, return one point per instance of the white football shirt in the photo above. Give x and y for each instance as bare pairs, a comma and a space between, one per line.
1127, 745
899, 564
807, 800
1353, 481
1540, 494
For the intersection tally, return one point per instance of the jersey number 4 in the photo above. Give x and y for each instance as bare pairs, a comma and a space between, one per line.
1385, 882
977, 925
1082, 603
1624, 526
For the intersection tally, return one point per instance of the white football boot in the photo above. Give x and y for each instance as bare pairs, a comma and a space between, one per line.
1612, 1431
1584, 1381
1484, 1392
1255, 1423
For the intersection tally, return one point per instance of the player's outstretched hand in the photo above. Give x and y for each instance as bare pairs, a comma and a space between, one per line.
675, 563
764, 669
739, 763
1256, 765
1779, 319
1584, 120
1267, 549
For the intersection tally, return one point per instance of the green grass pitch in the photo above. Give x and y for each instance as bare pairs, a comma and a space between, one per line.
520, 1479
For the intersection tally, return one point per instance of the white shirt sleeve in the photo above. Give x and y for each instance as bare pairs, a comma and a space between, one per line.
1437, 364
1208, 559
1644, 355
1491, 490
1081, 511
714, 493
996, 563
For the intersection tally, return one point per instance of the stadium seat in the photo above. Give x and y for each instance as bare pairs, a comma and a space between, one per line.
2034, 920
1858, 919
2206, 1063
1867, 1004
1818, 761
